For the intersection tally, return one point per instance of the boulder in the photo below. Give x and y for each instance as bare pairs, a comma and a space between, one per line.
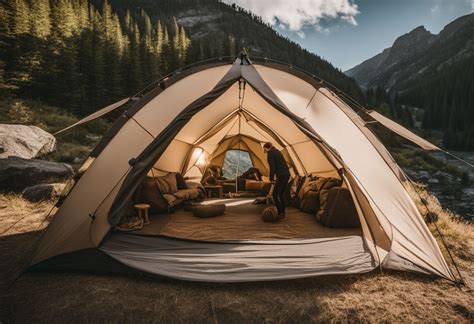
17, 173
43, 191
27, 142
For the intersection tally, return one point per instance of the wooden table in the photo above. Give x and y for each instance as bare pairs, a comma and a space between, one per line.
214, 188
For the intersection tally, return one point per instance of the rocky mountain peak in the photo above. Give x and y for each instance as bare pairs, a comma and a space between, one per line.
413, 38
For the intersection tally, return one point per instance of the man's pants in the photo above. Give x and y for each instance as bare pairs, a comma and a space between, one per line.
279, 192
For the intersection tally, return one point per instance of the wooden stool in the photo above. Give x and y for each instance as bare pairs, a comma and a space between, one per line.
143, 212
214, 188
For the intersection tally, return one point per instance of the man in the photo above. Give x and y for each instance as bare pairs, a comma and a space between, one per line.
278, 168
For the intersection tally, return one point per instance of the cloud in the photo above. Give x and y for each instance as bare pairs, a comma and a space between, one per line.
435, 8
296, 14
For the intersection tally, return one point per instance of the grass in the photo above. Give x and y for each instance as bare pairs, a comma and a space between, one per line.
459, 233
390, 296
71, 144
419, 160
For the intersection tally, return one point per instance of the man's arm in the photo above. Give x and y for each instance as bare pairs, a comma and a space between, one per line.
271, 164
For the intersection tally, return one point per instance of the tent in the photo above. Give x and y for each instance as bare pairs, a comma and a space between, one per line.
201, 111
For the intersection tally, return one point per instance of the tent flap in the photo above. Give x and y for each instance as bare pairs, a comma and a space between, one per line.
403, 132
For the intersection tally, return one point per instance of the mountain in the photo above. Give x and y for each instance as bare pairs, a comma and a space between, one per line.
382, 69
84, 54
418, 54
432, 72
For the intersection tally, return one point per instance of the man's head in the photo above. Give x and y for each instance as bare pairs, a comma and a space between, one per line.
267, 147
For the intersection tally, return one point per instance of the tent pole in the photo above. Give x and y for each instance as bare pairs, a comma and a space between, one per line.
241, 100
238, 163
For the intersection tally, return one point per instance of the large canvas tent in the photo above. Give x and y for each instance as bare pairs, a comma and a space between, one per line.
200, 113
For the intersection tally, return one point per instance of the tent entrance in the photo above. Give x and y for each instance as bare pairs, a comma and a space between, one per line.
250, 116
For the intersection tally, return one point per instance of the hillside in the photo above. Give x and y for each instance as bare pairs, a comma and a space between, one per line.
432, 72
85, 54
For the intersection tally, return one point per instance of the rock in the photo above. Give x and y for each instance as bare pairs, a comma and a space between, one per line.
27, 142
447, 176
17, 173
424, 174
76, 160
93, 137
43, 191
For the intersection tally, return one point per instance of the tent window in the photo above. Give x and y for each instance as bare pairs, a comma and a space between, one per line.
236, 162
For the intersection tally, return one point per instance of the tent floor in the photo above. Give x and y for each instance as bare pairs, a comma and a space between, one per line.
238, 247
241, 221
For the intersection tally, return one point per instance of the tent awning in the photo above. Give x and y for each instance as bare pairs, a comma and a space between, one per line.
95, 115
403, 132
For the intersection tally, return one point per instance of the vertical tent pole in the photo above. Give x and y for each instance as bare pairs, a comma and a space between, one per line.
238, 162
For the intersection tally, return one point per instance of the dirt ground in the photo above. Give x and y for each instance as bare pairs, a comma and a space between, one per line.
77, 297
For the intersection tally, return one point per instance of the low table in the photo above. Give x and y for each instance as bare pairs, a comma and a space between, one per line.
214, 188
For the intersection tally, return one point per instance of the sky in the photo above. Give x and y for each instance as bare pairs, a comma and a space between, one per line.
347, 32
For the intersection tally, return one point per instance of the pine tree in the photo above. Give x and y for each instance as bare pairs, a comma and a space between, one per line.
231, 45
176, 44
185, 42
93, 61
40, 19
167, 51
64, 21
21, 17
62, 78
132, 64
112, 36
81, 8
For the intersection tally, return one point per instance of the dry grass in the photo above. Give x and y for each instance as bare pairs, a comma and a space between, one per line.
459, 234
373, 297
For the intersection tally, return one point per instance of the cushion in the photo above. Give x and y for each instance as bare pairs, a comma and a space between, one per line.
187, 194
180, 182
270, 214
171, 200
252, 174
149, 193
310, 202
253, 185
167, 184
205, 211
325, 183
317, 185
338, 210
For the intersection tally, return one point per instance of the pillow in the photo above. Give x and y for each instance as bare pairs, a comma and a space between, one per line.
167, 184
253, 185
171, 200
310, 202
205, 211
325, 183
180, 182
317, 186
